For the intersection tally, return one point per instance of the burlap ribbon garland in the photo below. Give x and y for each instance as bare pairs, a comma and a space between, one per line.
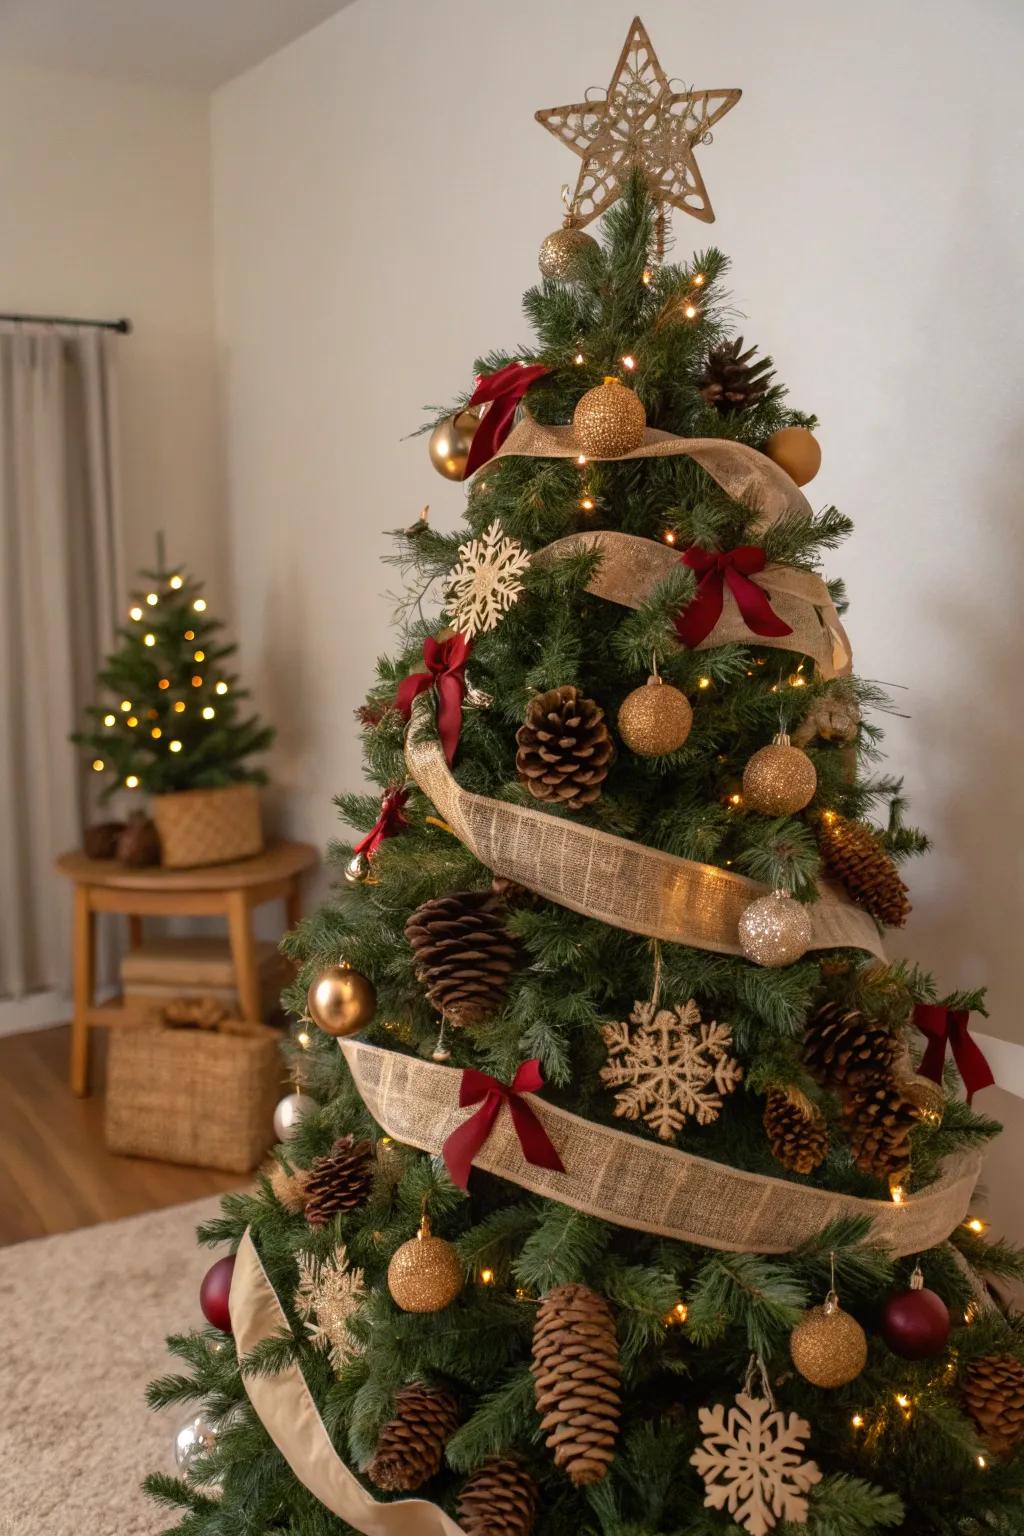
610, 878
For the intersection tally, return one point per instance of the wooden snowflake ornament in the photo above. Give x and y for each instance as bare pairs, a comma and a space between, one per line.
752, 1463
486, 582
326, 1296
670, 1068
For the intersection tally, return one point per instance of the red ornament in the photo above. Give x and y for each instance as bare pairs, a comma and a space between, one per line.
214, 1293
915, 1323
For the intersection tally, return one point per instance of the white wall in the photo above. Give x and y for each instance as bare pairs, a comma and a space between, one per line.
380, 190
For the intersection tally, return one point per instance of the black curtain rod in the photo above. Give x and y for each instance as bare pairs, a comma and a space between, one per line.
123, 327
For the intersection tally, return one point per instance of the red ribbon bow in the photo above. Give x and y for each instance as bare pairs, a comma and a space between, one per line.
715, 568
388, 822
942, 1025
504, 390
446, 673
464, 1143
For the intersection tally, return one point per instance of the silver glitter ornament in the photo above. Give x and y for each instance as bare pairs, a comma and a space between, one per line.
560, 253
775, 930
289, 1112
197, 1437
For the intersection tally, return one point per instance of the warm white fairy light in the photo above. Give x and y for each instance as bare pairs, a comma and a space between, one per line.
586, 505
581, 459
691, 311
109, 720
221, 688
177, 582
703, 682
179, 707
857, 1421
126, 705
132, 781
198, 655
98, 765
175, 746
135, 613
487, 1277
200, 605
629, 363
304, 1039
149, 639
698, 279
209, 712
133, 721
976, 1225
152, 599
669, 536
579, 359
156, 733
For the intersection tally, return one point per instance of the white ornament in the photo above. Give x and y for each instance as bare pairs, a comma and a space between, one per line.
752, 1463
327, 1294
486, 582
673, 1068
289, 1112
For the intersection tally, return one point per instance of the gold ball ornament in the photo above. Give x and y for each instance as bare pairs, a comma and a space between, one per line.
341, 1001
609, 420
925, 1097
795, 450
779, 780
560, 253
425, 1274
357, 870
775, 930
655, 719
828, 1346
451, 441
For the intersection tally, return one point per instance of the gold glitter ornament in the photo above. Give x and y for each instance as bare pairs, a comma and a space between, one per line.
775, 930
779, 780
655, 719
560, 252
609, 420
425, 1274
828, 1346
925, 1097
451, 441
341, 1001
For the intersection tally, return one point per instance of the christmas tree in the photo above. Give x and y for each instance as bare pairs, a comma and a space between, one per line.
615, 1202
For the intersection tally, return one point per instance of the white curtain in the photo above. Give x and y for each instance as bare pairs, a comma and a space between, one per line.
60, 594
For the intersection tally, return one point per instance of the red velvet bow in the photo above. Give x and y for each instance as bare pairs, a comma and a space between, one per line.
446, 672
504, 390
477, 1088
715, 568
942, 1024
388, 822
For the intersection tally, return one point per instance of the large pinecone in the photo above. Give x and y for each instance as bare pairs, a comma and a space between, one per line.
843, 1049
731, 381
853, 852
565, 748
576, 1379
499, 1499
410, 1447
339, 1181
796, 1130
464, 953
878, 1122
993, 1389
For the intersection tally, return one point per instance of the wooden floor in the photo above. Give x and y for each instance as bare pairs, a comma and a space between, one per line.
55, 1172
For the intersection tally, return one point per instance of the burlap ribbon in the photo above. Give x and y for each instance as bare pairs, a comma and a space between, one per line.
631, 568
610, 878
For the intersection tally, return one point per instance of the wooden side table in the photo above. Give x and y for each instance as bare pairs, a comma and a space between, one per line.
227, 890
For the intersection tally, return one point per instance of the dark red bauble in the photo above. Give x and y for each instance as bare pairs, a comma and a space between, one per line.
915, 1324
214, 1293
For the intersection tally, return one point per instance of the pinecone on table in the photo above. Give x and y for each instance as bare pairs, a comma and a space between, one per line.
796, 1130
464, 953
576, 1380
339, 1181
843, 1049
731, 381
410, 1447
564, 748
853, 852
100, 840
499, 1499
878, 1121
139, 842
993, 1391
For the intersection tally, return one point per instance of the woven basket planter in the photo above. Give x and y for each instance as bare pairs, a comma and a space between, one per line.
208, 826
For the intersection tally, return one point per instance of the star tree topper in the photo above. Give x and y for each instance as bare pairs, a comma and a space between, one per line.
641, 122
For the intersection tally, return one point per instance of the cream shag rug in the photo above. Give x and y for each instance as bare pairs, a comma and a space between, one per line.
83, 1317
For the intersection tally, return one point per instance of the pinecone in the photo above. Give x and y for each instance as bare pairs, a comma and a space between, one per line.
464, 953
499, 1499
339, 1181
100, 840
796, 1130
730, 381
410, 1447
564, 748
843, 1049
853, 852
878, 1122
993, 1389
139, 842
576, 1380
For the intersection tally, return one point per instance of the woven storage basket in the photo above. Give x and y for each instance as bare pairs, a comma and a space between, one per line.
208, 826
196, 1096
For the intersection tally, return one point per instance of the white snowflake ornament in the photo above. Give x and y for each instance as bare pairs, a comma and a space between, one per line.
752, 1463
325, 1297
485, 583
671, 1068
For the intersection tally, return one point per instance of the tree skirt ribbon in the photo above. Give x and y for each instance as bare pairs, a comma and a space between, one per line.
465, 1142
646, 1185
502, 392
716, 569
611, 879
390, 821
446, 676
285, 1407
632, 568
949, 1026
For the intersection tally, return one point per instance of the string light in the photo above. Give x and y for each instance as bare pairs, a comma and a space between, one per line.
303, 1038
982, 1462
209, 712
487, 1277
586, 505
132, 781
668, 537
175, 746
691, 311
190, 634
629, 362
152, 599
109, 720
197, 681
179, 707
176, 582
857, 1421
736, 799
98, 765
135, 613
133, 721
221, 688
199, 656
581, 459
902, 1400
647, 277
976, 1225
164, 682
898, 1193
680, 1312
156, 733
149, 639
200, 605
126, 705
579, 359
703, 682
698, 279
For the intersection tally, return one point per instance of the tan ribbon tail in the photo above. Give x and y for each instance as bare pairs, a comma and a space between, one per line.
610, 878
284, 1406
643, 1185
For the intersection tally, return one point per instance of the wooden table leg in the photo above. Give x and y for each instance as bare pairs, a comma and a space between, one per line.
243, 956
134, 930
293, 903
84, 924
